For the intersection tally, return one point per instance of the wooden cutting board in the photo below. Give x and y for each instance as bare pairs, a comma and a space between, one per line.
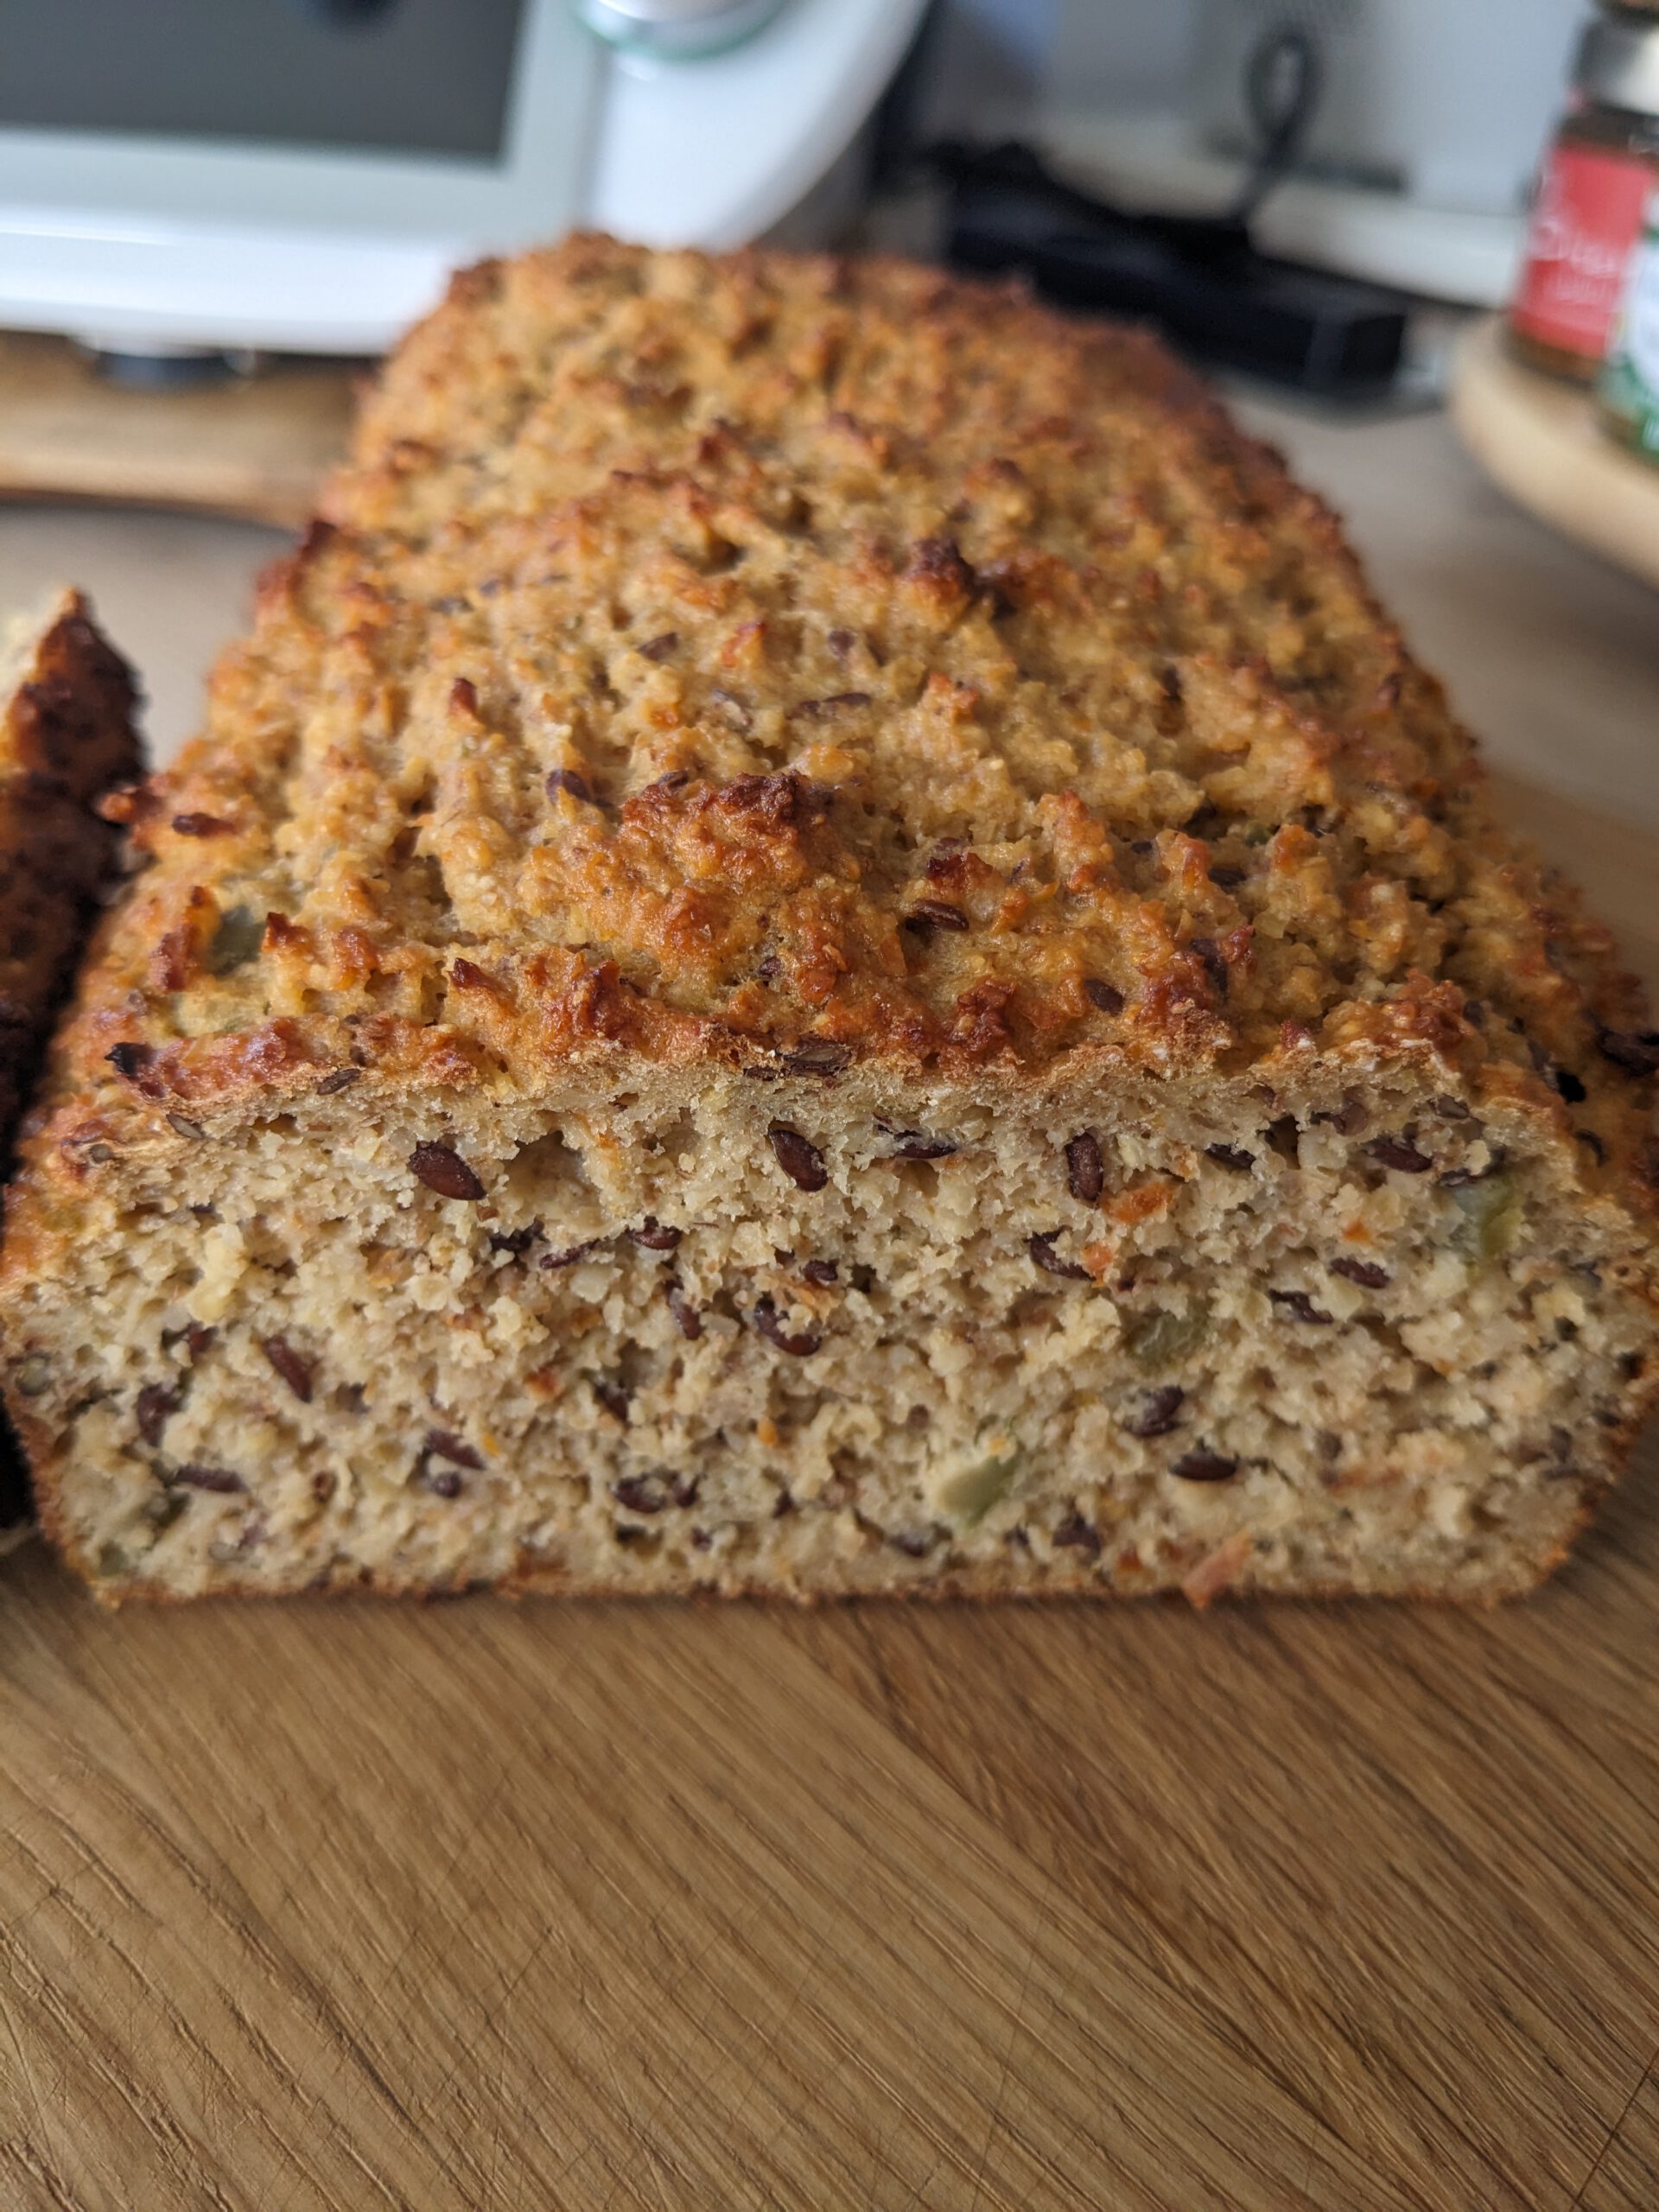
256, 445
333, 1906
1541, 441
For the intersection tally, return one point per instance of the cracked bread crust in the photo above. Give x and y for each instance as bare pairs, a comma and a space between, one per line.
66, 738
715, 676
718, 656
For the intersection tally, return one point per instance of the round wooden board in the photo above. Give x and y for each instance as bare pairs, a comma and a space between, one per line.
1541, 442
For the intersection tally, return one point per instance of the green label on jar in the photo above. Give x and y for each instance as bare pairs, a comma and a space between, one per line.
1630, 380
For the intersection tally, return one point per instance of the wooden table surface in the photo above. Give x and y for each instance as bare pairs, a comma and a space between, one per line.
553, 1908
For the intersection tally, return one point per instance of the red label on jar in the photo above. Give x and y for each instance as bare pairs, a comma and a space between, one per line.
1585, 226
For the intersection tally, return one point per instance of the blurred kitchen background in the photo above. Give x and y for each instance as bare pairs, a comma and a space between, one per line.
214, 213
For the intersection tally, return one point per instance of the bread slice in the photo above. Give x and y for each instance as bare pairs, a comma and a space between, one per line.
66, 738
823, 945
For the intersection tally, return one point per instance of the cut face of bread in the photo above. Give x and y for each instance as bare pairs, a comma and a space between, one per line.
66, 740
822, 945
818, 1331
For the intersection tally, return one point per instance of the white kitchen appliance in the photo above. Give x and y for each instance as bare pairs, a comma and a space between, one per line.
300, 174
1430, 118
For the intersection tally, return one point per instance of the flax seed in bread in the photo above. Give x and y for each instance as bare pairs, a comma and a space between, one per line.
822, 943
65, 741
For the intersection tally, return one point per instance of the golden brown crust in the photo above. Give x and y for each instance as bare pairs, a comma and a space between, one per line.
66, 740
703, 656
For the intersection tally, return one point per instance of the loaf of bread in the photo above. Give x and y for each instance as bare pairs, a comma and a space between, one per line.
823, 945
67, 740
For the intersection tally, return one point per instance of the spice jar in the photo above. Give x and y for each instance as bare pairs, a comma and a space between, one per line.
1588, 214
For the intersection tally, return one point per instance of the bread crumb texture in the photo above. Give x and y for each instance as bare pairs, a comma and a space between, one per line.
822, 943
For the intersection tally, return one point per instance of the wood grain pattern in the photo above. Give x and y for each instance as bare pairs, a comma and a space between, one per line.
318, 1908
255, 445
